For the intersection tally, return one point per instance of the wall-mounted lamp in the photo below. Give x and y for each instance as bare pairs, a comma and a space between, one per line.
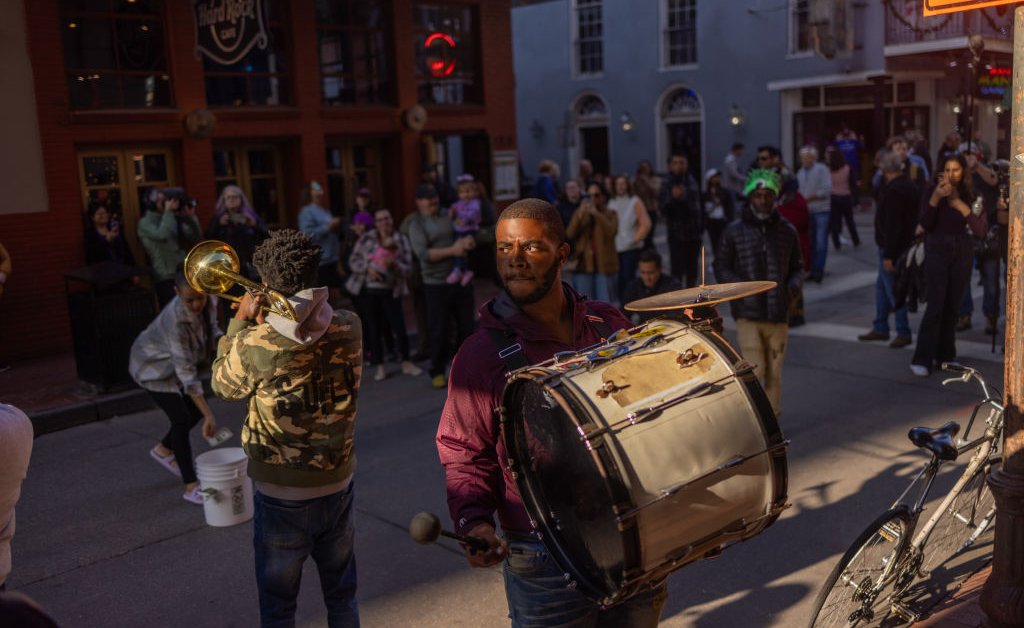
627, 122
536, 129
956, 107
737, 117
998, 109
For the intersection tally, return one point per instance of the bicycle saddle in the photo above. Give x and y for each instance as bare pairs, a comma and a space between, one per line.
939, 441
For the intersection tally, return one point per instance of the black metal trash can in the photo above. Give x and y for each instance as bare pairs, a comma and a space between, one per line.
107, 312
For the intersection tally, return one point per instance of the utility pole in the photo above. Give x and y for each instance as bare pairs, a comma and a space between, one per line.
1002, 599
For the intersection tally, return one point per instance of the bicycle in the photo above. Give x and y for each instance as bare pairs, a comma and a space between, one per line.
868, 585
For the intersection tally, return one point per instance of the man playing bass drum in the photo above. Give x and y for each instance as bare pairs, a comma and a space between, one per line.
534, 316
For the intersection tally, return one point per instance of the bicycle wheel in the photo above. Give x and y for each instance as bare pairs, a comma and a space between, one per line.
957, 525
858, 591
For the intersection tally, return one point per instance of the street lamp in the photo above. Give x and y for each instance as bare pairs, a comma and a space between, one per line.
627, 122
737, 117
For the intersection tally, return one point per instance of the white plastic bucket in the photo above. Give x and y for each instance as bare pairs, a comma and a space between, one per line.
226, 489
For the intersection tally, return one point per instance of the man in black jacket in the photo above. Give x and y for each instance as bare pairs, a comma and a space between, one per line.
762, 246
651, 281
895, 220
679, 202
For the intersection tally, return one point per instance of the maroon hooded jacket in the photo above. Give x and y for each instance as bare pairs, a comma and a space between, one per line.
468, 441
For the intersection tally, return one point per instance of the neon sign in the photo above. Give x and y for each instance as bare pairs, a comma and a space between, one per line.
994, 82
440, 49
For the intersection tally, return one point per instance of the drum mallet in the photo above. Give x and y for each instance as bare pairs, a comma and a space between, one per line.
426, 527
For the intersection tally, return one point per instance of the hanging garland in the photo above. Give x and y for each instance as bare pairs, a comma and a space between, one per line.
916, 29
1003, 29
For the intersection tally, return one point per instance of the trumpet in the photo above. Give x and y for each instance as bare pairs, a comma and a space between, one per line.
212, 267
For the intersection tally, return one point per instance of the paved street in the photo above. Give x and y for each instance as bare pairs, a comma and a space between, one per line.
104, 539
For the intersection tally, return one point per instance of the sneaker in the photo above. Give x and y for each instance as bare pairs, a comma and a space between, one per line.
900, 341
455, 276
873, 335
466, 278
379, 374
408, 368
195, 495
920, 371
438, 381
963, 323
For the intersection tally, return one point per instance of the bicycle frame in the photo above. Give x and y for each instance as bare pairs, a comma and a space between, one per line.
985, 445
908, 564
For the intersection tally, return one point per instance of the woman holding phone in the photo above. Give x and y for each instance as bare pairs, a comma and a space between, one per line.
949, 217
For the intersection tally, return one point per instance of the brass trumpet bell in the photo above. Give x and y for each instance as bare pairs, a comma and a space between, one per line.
212, 267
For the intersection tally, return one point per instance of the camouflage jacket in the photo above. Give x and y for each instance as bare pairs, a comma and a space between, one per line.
302, 389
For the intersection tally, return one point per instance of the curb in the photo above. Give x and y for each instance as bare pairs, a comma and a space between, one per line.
73, 415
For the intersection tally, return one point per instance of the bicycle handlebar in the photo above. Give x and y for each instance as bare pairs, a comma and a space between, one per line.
966, 375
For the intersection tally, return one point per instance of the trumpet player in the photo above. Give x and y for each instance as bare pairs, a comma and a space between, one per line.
301, 378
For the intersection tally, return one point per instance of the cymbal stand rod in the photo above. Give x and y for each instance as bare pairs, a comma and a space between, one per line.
703, 267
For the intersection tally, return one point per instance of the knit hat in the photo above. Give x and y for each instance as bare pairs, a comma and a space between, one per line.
761, 178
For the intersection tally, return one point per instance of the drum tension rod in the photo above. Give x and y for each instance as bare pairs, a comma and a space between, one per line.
735, 461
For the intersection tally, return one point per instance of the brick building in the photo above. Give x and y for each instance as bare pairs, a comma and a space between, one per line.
110, 98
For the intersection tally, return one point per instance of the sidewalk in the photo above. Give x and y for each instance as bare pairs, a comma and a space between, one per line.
48, 390
961, 609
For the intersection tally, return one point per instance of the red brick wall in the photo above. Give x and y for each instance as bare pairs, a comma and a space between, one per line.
44, 246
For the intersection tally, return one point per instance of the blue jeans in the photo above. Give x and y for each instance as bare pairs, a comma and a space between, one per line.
883, 304
538, 596
285, 532
597, 287
629, 262
819, 242
989, 268
993, 271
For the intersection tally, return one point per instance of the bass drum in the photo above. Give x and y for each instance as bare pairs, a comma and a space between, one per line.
644, 454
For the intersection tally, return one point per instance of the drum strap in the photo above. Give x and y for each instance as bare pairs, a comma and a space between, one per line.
510, 350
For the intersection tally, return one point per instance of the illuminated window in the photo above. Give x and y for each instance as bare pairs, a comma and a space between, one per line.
447, 46
353, 51
588, 37
259, 78
680, 32
800, 26
114, 54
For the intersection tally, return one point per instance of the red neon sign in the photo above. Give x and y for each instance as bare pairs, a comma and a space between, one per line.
441, 55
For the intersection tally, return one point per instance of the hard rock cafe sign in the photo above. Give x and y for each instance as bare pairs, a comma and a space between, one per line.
226, 30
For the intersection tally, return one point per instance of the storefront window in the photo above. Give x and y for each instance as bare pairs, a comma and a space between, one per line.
353, 52
122, 178
114, 55
447, 45
261, 77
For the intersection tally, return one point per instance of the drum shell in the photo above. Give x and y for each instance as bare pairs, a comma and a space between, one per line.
641, 462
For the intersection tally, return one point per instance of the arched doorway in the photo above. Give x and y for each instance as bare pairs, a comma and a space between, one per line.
590, 134
681, 128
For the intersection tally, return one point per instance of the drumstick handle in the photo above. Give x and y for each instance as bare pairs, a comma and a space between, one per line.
473, 542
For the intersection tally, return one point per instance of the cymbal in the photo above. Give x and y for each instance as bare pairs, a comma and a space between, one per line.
700, 296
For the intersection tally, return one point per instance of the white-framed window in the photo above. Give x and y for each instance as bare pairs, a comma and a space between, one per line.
679, 33
588, 37
800, 32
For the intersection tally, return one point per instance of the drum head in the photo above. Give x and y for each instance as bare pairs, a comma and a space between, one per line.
563, 485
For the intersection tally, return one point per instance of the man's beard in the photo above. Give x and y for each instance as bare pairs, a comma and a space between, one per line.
529, 299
